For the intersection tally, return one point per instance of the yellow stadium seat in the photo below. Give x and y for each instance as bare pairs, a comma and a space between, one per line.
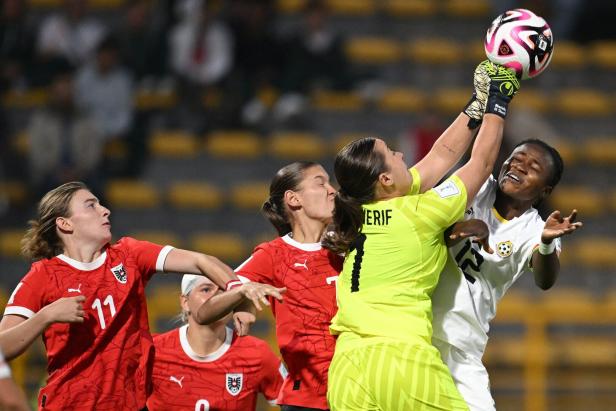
4, 297
164, 304
402, 100
15, 191
475, 51
297, 146
115, 149
583, 102
10, 242
250, 195
612, 201
158, 237
568, 55
373, 50
25, 99
352, 7
513, 307
600, 150
194, 195
234, 144
21, 142
569, 305
451, 100
336, 100
226, 246
290, 6
132, 194
505, 350
603, 54
595, 252
410, 8
147, 100
343, 139
173, 143
533, 100
435, 51
584, 351
567, 150
468, 9
586, 200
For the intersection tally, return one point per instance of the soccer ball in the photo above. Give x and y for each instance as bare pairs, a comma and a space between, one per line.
520, 40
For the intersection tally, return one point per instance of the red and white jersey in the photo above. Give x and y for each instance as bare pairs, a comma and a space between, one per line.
100, 364
302, 322
228, 379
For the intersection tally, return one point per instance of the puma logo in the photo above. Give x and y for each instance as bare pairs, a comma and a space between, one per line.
179, 382
75, 290
304, 264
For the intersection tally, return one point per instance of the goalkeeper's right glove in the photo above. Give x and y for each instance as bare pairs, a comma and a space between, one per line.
503, 86
477, 104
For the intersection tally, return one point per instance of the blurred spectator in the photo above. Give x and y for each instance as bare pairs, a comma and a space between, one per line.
65, 143
257, 54
201, 55
72, 33
201, 45
17, 39
143, 43
104, 88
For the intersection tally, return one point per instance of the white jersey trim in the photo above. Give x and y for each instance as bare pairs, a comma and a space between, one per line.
205, 358
22, 311
302, 246
99, 261
162, 256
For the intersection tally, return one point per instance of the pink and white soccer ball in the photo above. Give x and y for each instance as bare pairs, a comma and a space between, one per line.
520, 40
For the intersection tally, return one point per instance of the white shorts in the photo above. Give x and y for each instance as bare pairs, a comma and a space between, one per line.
470, 376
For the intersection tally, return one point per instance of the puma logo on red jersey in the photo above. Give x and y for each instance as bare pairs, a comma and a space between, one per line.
75, 290
178, 381
304, 264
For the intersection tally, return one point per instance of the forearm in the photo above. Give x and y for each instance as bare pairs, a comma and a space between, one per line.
217, 271
485, 151
11, 397
445, 153
15, 340
218, 306
545, 269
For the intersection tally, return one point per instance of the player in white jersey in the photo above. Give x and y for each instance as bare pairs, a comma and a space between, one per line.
515, 240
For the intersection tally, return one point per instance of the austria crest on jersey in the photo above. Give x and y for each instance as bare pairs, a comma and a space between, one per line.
234, 383
119, 273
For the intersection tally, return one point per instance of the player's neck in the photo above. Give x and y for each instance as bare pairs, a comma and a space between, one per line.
508, 207
205, 339
85, 253
308, 231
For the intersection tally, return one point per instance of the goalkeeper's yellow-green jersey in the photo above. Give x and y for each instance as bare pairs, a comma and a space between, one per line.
393, 267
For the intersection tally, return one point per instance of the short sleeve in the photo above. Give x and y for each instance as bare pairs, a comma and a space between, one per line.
416, 184
259, 267
28, 296
273, 373
149, 257
441, 206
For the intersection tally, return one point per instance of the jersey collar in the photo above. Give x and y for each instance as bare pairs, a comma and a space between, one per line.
205, 358
100, 260
302, 246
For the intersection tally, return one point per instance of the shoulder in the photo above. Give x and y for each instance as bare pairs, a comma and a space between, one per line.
270, 246
162, 340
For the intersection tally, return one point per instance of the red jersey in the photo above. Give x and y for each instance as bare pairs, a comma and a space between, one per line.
228, 379
302, 322
102, 363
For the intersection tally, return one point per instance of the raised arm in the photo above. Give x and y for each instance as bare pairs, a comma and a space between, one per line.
453, 143
502, 87
191, 262
545, 261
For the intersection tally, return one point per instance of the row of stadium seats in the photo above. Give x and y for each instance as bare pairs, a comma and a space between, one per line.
395, 8
377, 50
593, 252
575, 102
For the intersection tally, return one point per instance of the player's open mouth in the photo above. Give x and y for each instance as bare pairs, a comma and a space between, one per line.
513, 177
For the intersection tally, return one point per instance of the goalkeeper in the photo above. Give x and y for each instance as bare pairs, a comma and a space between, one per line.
390, 228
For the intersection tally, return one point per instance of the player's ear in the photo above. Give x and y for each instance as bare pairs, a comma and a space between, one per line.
291, 198
385, 179
64, 224
184, 303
